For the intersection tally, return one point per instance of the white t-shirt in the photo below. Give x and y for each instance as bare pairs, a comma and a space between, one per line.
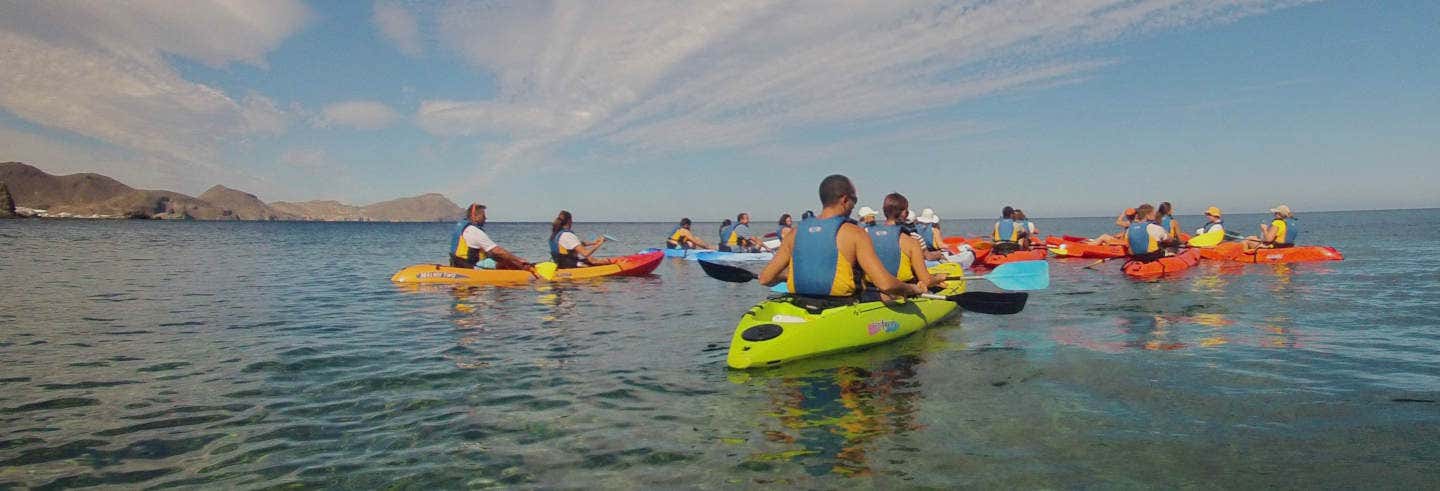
1157, 232
1218, 226
569, 241
478, 239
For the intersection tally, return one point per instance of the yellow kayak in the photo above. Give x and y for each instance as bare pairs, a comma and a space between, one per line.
778, 330
429, 274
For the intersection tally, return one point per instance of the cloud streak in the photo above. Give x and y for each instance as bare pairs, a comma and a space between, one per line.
665, 77
361, 115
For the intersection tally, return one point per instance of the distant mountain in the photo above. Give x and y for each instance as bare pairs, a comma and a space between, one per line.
431, 207
89, 194
243, 205
94, 194
327, 210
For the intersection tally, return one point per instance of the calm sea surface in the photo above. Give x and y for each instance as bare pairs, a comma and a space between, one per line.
219, 355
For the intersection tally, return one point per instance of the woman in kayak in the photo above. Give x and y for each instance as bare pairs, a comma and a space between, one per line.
1212, 222
567, 250
683, 238
1145, 237
785, 224
902, 254
470, 245
928, 229
826, 256
1167, 219
1123, 221
1279, 234
724, 232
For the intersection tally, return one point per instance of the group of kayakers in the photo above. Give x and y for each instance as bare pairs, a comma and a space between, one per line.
473, 248
831, 255
1149, 231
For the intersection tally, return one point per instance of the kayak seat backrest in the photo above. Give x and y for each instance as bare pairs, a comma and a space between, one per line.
816, 305
1004, 248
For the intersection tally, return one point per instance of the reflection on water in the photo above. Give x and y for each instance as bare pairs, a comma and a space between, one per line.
834, 414
256, 355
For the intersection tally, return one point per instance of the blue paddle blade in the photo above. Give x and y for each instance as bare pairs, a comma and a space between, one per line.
780, 287
1021, 276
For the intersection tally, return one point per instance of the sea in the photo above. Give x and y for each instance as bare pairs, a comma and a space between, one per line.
218, 355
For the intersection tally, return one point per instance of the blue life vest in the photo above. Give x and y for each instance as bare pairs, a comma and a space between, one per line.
928, 238
1288, 232
725, 233
1005, 231
462, 250
886, 239
816, 267
1140, 240
1211, 225
564, 258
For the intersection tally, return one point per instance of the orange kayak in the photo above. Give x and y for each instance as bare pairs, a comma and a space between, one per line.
993, 260
1235, 251
1081, 249
1168, 264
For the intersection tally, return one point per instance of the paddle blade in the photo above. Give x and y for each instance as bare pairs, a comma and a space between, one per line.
724, 272
1021, 276
546, 270
1209, 239
991, 302
781, 287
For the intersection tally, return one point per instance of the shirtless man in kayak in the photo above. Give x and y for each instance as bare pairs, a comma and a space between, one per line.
827, 255
470, 245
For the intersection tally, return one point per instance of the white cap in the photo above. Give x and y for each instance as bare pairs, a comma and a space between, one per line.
928, 216
909, 215
866, 211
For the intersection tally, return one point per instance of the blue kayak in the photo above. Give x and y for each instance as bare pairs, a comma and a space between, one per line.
716, 256
698, 254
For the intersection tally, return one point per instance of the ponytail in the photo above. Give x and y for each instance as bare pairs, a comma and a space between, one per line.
560, 222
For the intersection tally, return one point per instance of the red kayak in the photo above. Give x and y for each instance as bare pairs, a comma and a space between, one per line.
1235, 251
1168, 264
993, 260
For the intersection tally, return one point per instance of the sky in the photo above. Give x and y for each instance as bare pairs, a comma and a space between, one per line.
637, 110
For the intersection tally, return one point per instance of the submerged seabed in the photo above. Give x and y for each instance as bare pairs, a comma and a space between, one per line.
160, 354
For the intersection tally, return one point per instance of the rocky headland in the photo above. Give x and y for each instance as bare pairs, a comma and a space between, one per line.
29, 191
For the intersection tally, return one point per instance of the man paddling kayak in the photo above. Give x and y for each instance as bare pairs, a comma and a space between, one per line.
902, 254
683, 238
567, 250
1145, 237
826, 256
1213, 222
740, 239
1279, 234
470, 245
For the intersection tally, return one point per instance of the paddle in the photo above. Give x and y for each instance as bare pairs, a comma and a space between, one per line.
1016, 276
546, 270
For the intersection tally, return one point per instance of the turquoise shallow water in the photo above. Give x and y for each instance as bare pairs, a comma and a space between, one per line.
173, 354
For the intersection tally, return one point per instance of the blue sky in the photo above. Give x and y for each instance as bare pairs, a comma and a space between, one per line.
639, 110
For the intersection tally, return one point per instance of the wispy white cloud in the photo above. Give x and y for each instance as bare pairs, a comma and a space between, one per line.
660, 76
363, 115
400, 26
98, 70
